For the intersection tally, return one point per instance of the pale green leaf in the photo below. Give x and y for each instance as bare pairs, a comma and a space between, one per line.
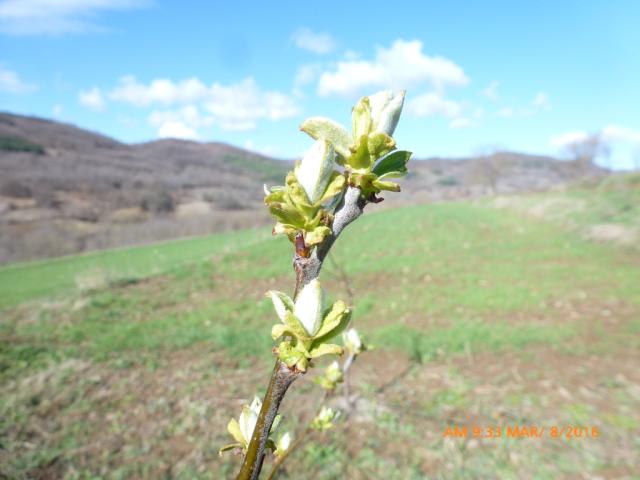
281, 303
361, 118
295, 326
336, 185
326, 349
233, 427
332, 318
316, 236
324, 128
390, 186
230, 446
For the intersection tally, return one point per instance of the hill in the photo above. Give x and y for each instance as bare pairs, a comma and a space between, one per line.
66, 190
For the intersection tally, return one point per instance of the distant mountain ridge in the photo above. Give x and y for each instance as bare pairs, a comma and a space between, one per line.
65, 189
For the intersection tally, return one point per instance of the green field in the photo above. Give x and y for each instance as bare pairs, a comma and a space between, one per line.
28, 281
129, 363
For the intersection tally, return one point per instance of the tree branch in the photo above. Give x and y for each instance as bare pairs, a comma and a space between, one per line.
307, 269
281, 378
350, 208
285, 455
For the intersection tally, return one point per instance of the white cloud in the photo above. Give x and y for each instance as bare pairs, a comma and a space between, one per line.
541, 101
610, 133
460, 122
160, 91
567, 139
188, 115
53, 17
179, 130
266, 150
616, 133
624, 147
506, 112
57, 110
491, 92
239, 106
432, 104
315, 42
232, 107
403, 65
92, 99
10, 82
621, 145
307, 74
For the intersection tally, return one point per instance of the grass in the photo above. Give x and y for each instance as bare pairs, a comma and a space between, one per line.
465, 335
614, 200
162, 340
27, 281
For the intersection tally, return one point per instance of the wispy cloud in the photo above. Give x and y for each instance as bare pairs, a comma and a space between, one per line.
402, 65
92, 99
541, 101
539, 104
57, 111
10, 82
505, 112
55, 17
460, 122
491, 92
316, 42
432, 104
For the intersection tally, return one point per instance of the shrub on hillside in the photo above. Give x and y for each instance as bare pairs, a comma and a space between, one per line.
15, 144
157, 201
15, 189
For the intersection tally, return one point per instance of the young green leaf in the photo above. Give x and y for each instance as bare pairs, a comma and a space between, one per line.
394, 162
324, 128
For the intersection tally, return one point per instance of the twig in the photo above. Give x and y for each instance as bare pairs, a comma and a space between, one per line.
397, 378
281, 378
278, 463
307, 269
297, 442
350, 208
345, 375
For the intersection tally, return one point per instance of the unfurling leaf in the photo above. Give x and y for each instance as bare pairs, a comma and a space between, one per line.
234, 429
386, 108
315, 169
323, 128
325, 349
352, 342
361, 118
309, 306
281, 303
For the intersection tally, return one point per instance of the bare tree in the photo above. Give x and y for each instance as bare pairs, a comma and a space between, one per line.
585, 152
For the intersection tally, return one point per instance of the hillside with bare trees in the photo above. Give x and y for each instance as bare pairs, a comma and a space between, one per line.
66, 190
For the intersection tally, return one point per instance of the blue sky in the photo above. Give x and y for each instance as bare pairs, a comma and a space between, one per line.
479, 76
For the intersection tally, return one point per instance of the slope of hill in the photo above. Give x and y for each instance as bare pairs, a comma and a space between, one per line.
606, 211
67, 190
